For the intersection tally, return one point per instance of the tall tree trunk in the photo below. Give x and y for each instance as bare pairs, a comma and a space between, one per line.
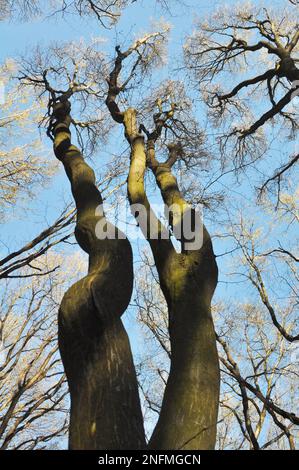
95, 350
189, 411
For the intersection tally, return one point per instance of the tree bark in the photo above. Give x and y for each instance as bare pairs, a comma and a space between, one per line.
189, 411
95, 350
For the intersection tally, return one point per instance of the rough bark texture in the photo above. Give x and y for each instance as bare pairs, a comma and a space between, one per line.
105, 406
189, 411
190, 406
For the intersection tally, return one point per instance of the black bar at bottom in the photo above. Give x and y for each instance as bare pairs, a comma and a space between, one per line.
131, 459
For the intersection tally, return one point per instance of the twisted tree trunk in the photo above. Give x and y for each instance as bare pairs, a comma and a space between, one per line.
188, 417
189, 411
95, 350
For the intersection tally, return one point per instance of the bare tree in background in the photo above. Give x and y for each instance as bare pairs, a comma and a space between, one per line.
263, 44
22, 169
107, 12
259, 369
34, 401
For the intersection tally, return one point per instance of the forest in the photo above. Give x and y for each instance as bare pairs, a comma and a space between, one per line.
149, 225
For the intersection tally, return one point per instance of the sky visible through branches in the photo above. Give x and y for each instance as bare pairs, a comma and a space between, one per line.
18, 38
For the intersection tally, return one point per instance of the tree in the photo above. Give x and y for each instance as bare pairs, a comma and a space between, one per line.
33, 399
34, 408
93, 343
106, 11
241, 39
22, 170
34, 411
102, 376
